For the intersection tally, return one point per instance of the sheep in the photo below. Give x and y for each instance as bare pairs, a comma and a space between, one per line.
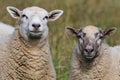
93, 58
25, 54
5, 29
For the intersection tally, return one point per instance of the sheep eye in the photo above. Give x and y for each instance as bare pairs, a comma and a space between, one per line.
84, 34
81, 35
24, 16
46, 17
99, 35
96, 35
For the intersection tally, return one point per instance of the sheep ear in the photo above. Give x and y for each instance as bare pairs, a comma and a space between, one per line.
109, 32
54, 15
72, 30
14, 12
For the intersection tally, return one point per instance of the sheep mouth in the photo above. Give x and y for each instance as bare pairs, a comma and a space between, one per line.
35, 31
89, 57
35, 34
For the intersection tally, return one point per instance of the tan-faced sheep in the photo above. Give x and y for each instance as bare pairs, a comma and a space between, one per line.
25, 54
5, 29
92, 58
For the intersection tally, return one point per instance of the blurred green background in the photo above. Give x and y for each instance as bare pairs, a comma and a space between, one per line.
77, 13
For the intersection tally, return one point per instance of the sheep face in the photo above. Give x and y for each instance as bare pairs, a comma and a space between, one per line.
33, 21
90, 39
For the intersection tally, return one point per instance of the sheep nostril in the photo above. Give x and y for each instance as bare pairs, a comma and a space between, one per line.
86, 50
36, 26
92, 50
89, 50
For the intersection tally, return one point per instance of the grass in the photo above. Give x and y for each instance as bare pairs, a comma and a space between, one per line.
78, 13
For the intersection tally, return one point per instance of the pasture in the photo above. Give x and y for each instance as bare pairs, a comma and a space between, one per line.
77, 13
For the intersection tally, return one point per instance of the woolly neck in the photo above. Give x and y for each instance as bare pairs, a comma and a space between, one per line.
30, 61
97, 69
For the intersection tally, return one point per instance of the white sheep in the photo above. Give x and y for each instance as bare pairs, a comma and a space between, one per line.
25, 54
92, 58
5, 29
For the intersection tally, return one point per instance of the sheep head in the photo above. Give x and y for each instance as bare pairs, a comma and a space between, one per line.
33, 21
90, 39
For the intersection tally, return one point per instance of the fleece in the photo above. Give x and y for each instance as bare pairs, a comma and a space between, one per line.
105, 67
21, 61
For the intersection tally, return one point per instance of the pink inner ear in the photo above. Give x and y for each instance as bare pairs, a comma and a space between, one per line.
71, 30
53, 15
15, 12
109, 32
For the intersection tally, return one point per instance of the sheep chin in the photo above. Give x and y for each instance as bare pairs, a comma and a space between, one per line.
35, 35
89, 58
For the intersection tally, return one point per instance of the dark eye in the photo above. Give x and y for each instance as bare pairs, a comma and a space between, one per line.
79, 36
46, 17
82, 35
96, 34
99, 35
24, 16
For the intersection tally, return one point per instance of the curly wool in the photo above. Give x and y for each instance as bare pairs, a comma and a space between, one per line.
105, 67
21, 61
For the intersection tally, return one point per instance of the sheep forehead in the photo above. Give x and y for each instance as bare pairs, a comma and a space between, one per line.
31, 11
90, 31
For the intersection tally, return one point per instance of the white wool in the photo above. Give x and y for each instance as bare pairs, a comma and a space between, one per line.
5, 29
115, 50
25, 54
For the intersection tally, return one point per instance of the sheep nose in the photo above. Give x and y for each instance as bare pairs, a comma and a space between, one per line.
89, 50
36, 26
